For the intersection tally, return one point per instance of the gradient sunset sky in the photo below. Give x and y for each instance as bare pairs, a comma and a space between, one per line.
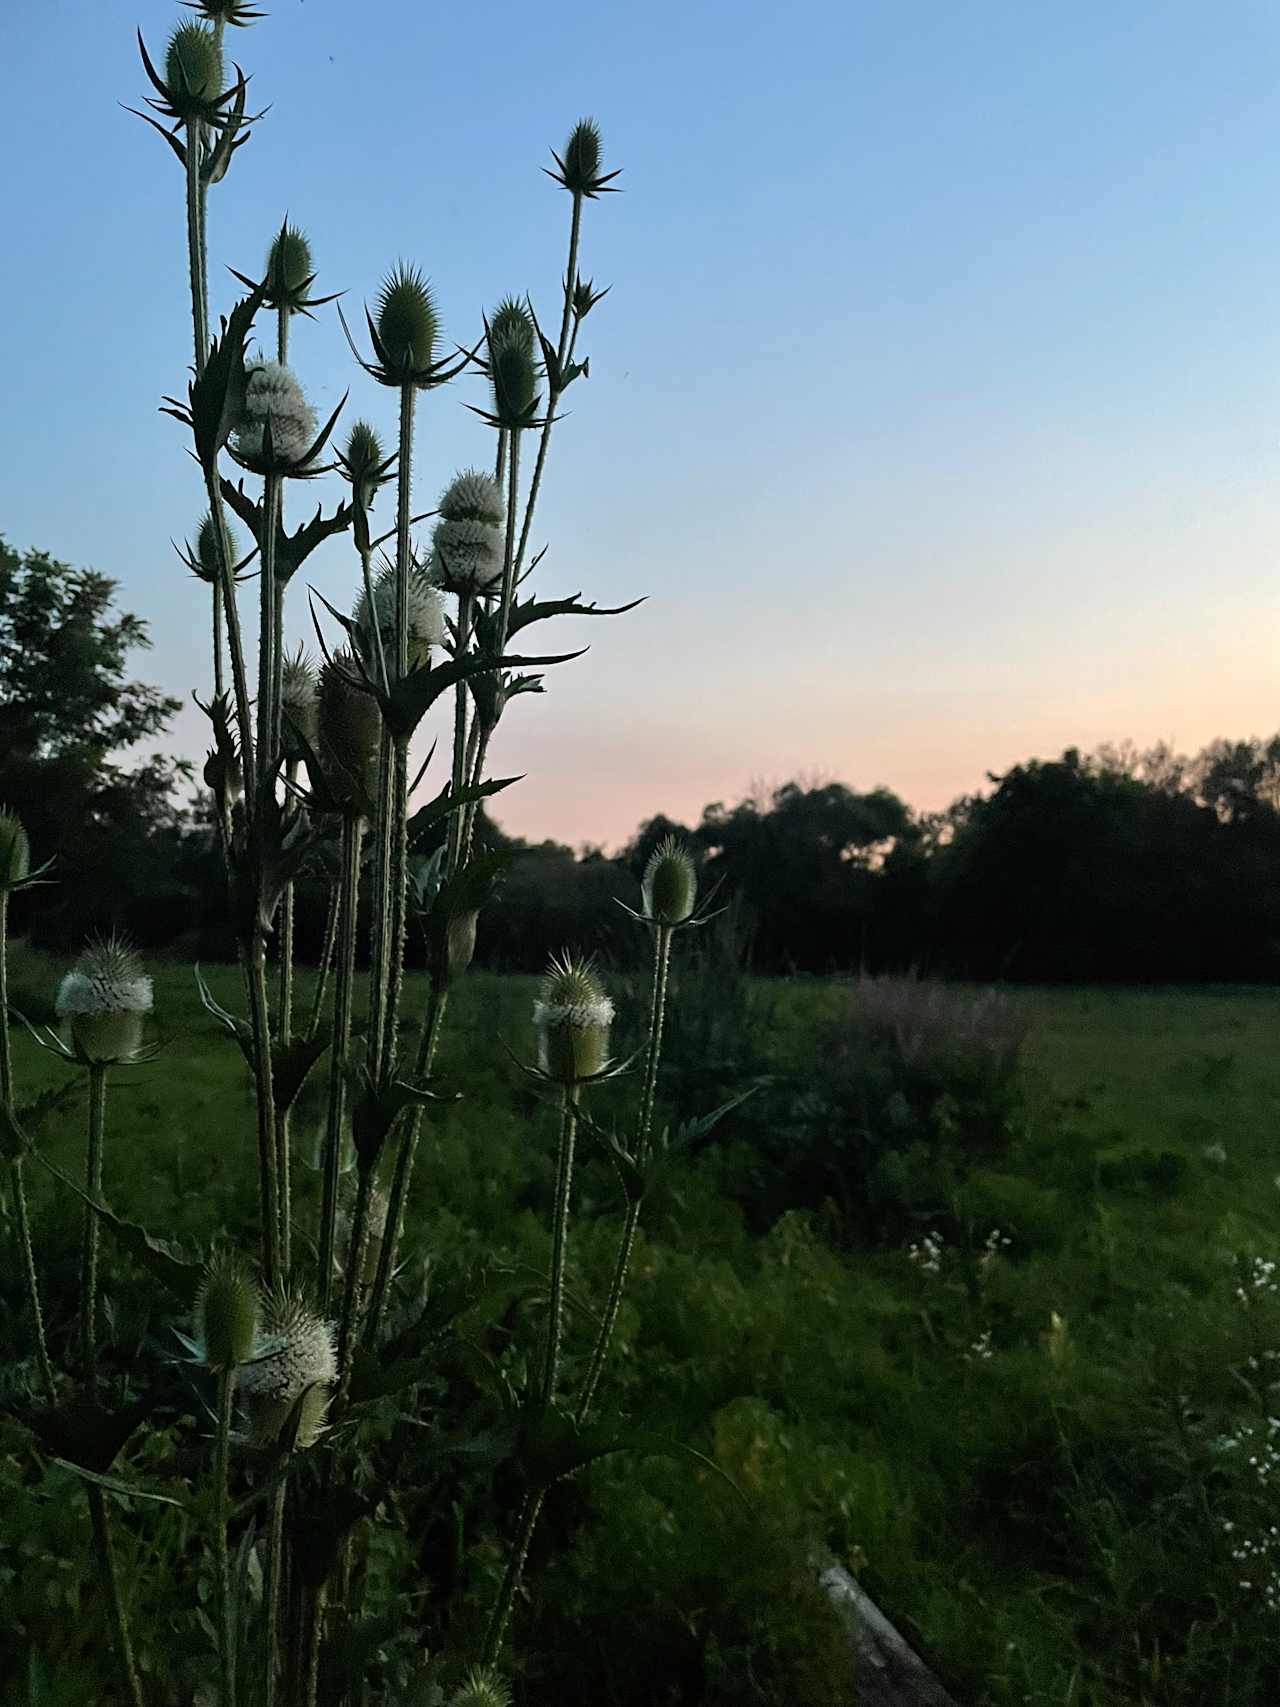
934, 408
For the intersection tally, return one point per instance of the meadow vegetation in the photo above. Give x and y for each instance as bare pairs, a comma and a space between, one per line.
986, 1316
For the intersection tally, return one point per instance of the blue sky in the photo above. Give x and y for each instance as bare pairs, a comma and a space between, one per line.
934, 407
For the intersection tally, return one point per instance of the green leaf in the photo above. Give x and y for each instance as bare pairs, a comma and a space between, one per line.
157, 1256
113, 1485
446, 803
217, 396
291, 1063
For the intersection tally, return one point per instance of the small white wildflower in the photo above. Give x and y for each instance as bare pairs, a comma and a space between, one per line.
1215, 1153
272, 393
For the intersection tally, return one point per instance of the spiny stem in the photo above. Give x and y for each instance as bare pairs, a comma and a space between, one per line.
398, 888
313, 1628
508, 551
272, 1591
284, 1168
559, 1243
355, 1270
404, 1168
657, 1014
111, 1588
226, 1612
268, 636
527, 1521
90, 1237
326, 959
22, 1223
255, 957
235, 645
466, 604
219, 673
195, 246
348, 907
282, 336
564, 354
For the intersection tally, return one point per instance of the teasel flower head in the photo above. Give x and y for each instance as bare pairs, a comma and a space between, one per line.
578, 168
298, 697
363, 464
670, 884
511, 323
467, 541
224, 777
349, 726
481, 1687
276, 432
238, 13
404, 333
227, 1312
193, 76
15, 852
290, 272
102, 1002
426, 618
513, 374
202, 558
572, 1017
294, 1364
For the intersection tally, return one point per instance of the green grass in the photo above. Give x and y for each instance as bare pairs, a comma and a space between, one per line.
1043, 1521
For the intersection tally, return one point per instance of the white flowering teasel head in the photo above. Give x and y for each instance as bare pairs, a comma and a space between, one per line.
273, 396
102, 1003
295, 1360
426, 619
467, 541
572, 1017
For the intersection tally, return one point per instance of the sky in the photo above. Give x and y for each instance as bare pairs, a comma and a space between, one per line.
934, 409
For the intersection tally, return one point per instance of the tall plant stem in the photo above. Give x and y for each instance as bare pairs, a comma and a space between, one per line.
284, 1166
348, 907
657, 1016
398, 884
559, 1243
509, 564
219, 673
326, 960
466, 605
255, 970
434, 1018
90, 1236
282, 336
272, 1588
195, 245
526, 1523
226, 1611
235, 643
355, 1271
313, 1626
111, 1588
564, 351
21, 1221
268, 633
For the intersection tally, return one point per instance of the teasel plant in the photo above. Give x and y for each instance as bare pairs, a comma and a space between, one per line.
307, 1351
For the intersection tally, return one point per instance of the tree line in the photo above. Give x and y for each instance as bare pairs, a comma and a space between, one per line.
1121, 865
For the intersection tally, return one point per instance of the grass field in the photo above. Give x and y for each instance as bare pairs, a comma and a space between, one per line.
1019, 1437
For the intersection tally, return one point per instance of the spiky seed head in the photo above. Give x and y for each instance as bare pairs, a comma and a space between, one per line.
289, 268
511, 323
227, 1311
467, 557
407, 322
514, 375
481, 1687
426, 618
102, 1001
272, 393
582, 155
238, 12
473, 497
298, 703
349, 725
362, 458
294, 1359
572, 1017
205, 556
192, 69
670, 884
224, 777
15, 850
